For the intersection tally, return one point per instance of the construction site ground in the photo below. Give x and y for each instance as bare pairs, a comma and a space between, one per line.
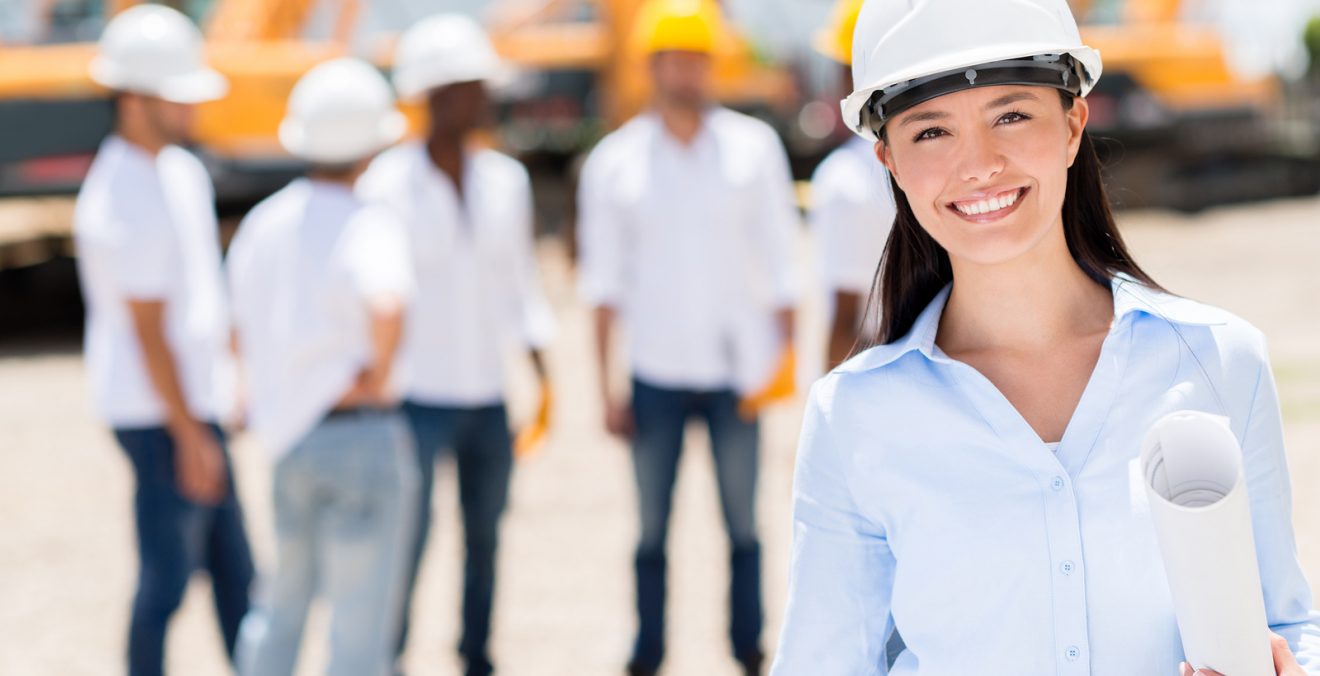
564, 606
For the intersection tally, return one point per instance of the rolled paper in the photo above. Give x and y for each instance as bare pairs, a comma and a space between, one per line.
1192, 466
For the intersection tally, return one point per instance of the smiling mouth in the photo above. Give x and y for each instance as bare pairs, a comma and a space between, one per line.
990, 207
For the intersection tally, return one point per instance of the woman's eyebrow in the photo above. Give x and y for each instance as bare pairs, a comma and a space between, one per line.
1010, 99
926, 116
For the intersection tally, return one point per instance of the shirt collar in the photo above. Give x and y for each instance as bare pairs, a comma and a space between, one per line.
1130, 297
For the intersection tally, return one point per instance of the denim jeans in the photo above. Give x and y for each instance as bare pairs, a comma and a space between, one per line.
661, 415
176, 537
480, 442
344, 498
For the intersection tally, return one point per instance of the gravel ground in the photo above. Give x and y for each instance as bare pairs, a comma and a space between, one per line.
564, 606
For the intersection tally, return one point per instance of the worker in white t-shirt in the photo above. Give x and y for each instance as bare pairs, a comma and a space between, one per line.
156, 342
319, 282
687, 223
468, 212
852, 210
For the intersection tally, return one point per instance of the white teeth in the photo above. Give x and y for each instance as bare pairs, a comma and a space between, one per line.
988, 205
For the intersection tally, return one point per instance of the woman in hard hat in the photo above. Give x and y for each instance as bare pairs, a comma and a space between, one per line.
967, 481
319, 281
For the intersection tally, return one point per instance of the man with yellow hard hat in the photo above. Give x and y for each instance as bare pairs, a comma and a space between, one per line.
687, 221
852, 208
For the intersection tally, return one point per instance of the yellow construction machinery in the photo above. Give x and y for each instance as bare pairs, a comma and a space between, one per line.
1188, 130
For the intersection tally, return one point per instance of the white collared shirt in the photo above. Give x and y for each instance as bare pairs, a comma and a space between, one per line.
478, 289
145, 229
923, 501
303, 270
693, 245
852, 212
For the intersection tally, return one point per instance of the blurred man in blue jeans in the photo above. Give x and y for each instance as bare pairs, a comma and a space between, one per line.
157, 333
686, 221
319, 284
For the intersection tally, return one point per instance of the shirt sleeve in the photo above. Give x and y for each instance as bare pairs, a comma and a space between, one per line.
141, 246
779, 214
851, 228
380, 265
1288, 600
837, 619
534, 315
601, 237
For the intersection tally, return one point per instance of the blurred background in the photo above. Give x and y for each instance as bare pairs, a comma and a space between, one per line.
1208, 118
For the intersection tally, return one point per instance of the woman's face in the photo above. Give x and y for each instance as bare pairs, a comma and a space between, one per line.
985, 169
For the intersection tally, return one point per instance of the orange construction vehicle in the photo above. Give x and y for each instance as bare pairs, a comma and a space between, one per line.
263, 46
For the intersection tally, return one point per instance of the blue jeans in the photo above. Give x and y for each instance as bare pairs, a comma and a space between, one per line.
344, 500
176, 537
480, 441
661, 415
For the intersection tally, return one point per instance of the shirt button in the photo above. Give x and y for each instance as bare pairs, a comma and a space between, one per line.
1072, 653
1066, 567
1057, 483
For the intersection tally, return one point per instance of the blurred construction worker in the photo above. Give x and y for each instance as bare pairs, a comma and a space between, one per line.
687, 221
157, 335
852, 209
319, 282
468, 212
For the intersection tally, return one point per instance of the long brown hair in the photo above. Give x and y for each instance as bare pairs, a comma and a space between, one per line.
914, 267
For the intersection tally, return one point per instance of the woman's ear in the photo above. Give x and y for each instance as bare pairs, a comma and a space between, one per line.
886, 157
1077, 118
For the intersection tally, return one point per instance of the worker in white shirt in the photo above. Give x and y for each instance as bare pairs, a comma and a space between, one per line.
468, 212
852, 209
319, 282
156, 342
687, 220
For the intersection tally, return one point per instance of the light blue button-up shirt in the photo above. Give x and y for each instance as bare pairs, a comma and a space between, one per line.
924, 501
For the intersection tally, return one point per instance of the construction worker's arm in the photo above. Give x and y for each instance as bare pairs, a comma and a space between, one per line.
382, 270
199, 463
372, 385
843, 330
618, 415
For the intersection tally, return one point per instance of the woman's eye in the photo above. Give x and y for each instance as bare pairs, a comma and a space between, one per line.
1010, 118
927, 134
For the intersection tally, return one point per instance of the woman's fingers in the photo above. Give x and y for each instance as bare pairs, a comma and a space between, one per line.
1285, 664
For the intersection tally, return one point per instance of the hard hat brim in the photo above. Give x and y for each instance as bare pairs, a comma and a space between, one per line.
294, 138
413, 87
853, 106
199, 86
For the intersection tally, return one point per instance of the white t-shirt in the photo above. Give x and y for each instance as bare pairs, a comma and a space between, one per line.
693, 244
302, 270
478, 289
852, 213
145, 229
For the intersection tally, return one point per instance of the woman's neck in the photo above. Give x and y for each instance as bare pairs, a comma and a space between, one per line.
1033, 302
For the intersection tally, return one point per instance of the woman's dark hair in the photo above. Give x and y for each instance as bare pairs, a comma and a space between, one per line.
914, 267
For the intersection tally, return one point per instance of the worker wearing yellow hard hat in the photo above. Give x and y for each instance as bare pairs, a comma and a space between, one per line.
851, 208
157, 327
687, 220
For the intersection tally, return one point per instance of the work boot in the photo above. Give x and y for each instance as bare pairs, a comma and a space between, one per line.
635, 669
753, 663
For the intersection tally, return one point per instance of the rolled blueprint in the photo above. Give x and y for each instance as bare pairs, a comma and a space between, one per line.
1192, 466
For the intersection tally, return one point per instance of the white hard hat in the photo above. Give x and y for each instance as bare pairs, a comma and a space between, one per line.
442, 50
156, 51
341, 111
905, 53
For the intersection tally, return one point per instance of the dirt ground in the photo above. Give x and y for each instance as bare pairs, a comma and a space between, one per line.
564, 603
